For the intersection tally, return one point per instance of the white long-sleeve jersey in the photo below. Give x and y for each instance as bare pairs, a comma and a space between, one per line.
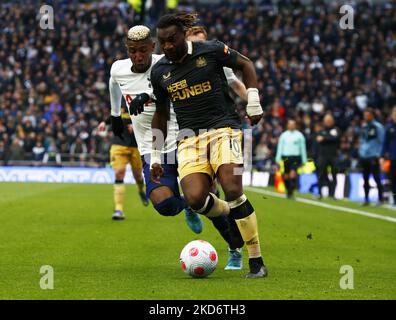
230, 75
124, 82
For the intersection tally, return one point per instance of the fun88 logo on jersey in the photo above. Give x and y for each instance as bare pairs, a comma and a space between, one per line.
181, 91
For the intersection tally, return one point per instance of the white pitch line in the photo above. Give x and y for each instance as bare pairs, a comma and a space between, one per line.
325, 205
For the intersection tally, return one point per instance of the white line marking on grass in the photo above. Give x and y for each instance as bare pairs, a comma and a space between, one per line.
325, 205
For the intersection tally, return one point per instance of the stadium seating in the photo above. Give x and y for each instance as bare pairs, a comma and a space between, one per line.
53, 83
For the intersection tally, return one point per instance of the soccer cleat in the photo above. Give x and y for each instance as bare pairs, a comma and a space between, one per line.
193, 220
118, 215
144, 198
234, 259
257, 268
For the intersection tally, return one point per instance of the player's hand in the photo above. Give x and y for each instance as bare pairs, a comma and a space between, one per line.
253, 109
130, 128
319, 138
102, 126
137, 104
117, 126
255, 119
156, 172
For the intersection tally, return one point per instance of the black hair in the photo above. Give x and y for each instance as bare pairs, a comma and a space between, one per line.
181, 20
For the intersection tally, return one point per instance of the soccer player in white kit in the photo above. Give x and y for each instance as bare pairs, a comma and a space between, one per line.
130, 78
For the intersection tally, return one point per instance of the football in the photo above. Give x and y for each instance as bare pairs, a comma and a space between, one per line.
198, 258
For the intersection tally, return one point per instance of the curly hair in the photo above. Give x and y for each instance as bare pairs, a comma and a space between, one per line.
182, 20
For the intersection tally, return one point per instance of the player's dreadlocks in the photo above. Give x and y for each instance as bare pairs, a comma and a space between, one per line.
182, 20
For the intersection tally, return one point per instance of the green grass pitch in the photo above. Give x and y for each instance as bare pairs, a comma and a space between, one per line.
68, 227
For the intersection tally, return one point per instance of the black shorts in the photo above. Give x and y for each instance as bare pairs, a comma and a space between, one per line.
370, 165
291, 163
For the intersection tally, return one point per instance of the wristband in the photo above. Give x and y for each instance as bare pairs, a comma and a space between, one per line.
155, 157
253, 107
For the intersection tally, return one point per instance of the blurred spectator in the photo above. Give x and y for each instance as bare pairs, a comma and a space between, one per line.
263, 155
52, 154
16, 152
38, 152
370, 150
3, 152
78, 150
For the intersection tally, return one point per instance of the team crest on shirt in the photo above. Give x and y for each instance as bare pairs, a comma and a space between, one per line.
166, 76
201, 62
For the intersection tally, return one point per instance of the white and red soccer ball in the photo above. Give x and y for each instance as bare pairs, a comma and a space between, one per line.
198, 258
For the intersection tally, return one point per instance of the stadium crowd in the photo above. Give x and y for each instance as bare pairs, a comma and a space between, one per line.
54, 83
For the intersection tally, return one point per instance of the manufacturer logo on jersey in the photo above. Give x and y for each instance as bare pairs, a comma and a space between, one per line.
166, 76
201, 62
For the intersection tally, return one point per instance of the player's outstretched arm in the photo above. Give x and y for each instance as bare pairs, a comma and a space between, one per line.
239, 88
253, 108
117, 125
159, 130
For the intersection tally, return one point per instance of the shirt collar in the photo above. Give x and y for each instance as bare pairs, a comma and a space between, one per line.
189, 52
189, 47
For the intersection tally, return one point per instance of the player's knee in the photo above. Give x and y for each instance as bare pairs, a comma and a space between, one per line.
170, 207
232, 193
119, 174
196, 200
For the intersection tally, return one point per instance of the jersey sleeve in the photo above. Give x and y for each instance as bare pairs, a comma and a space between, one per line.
279, 149
115, 95
230, 75
226, 56
159, 93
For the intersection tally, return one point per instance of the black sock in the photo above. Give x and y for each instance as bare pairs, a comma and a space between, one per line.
287, 185
255, 264
223, 227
